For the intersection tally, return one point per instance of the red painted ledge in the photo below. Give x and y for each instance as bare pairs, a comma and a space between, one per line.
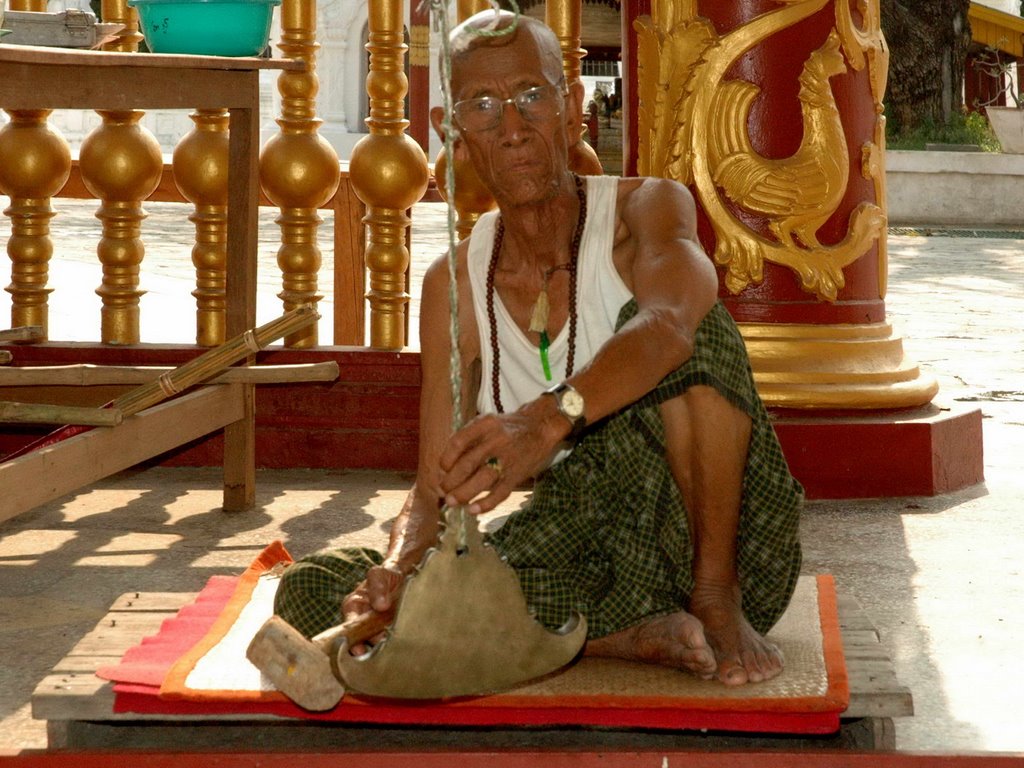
369, 419
921, 452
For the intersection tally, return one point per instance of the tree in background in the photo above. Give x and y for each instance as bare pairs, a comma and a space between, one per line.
928, 41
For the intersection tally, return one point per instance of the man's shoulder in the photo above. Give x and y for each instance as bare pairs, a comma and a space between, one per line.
645, 196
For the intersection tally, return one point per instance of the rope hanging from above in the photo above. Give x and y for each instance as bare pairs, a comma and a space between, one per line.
440, 15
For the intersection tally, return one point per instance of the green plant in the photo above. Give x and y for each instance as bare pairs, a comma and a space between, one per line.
970, 128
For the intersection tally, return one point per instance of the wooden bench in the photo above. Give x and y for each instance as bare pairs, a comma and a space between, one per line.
78, 706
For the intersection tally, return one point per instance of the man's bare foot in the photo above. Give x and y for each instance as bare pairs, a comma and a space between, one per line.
743, 655
674, 640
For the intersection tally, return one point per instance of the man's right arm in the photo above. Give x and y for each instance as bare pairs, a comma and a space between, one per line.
417, 526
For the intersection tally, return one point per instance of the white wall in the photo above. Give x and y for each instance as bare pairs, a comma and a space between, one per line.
1008, 6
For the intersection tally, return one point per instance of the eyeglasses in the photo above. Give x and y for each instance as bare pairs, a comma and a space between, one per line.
535, 104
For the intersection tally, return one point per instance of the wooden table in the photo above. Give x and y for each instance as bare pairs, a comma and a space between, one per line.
78, 707
50, 78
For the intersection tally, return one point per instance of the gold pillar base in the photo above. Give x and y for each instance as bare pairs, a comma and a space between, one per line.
856, 367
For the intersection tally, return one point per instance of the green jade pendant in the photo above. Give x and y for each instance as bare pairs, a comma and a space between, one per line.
539, 324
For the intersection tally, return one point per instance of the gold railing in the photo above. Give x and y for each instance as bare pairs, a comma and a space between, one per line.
121, 166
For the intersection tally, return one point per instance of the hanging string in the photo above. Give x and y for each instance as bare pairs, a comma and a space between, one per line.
442, 25
440, 16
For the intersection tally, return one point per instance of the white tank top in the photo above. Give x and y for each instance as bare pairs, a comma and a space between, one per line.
600, 294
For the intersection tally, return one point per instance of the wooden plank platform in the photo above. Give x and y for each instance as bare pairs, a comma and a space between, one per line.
78, 706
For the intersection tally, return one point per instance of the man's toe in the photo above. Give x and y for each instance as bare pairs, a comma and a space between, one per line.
732, 672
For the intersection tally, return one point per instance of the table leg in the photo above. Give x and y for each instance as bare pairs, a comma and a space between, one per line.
243, 211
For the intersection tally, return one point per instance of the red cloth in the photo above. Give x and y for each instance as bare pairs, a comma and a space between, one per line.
165, 659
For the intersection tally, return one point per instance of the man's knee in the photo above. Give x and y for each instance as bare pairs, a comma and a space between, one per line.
706, 443
701, 416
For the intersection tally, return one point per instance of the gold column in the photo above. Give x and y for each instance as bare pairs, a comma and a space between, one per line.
472, 198
121, 165
466, 8
201, 175
35, 162
118, 12
389, 174
299, 170
565, 18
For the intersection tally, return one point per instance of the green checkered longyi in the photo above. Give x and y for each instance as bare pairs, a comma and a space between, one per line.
605, 531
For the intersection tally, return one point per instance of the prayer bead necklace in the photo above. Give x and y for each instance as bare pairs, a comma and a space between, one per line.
539, 312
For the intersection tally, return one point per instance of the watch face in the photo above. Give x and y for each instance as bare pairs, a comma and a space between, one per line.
572, 403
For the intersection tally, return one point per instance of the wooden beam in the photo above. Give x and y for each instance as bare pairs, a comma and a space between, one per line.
49, 473
88, 375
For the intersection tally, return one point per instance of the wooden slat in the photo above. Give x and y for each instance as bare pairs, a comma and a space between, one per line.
51, 472
874, 688
408, 756
349, 266
29, 54
88, 375
162, 602
74, 693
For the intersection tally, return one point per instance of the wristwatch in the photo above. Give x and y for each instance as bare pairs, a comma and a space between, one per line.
570, 404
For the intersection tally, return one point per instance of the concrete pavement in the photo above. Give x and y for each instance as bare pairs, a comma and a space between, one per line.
940, 577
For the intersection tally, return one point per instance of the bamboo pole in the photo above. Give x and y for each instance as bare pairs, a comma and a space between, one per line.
42, 413
23, 333
87, 375
211, 363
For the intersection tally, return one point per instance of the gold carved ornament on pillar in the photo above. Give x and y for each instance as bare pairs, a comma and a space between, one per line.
693, 128
299, 170
389, 174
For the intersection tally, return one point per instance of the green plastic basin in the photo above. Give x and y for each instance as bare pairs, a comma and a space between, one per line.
206, 27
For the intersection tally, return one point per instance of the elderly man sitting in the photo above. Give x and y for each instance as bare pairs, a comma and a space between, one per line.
597, 361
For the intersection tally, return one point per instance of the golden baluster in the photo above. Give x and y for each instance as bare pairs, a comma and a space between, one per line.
466, 8
472, 198
37, 6
118, 12
565, 18
299, 170
389, 174
201, 174
121, 165
35, 162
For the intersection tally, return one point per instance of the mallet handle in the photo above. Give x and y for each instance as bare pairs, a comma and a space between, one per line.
353, 631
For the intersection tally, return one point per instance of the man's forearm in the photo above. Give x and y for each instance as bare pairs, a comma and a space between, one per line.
633, 362
413, 532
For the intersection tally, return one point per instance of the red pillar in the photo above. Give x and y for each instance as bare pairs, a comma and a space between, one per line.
419, 74
805, 143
